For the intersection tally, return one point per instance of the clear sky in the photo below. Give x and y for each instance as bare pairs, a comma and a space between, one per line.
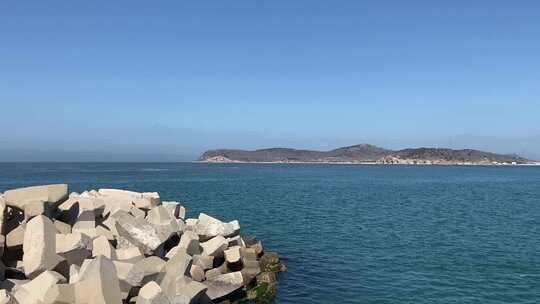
169, 79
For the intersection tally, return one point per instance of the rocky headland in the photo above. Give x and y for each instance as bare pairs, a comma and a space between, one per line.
112, 246
364, 154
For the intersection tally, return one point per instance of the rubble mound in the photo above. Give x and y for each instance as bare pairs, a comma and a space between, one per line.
118, 246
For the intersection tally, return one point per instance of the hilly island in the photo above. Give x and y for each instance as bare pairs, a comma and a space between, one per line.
364, 154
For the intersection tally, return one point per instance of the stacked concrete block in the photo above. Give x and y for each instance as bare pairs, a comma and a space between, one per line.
119, 246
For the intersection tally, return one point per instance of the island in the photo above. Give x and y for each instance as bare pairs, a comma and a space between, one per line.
364, 154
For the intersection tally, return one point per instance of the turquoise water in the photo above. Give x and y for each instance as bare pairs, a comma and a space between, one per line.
356, 234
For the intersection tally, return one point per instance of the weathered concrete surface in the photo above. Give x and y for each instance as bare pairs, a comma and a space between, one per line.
236, 241
208, 227
130, 254
250, 264
86, 223
189, 291
74, 247
190, 241
62, 294
151, 293
62, 227
16, 236
191, 225
124, 200
35, 291
205, 261
39, 246
197, 273
164, 223
139, 232
145, 270
222, 285
136, 212
101, 246
102, 231
48, 193
98, 283
177, 266
215, 246
222, 269
122, 270
175, 209
232, 255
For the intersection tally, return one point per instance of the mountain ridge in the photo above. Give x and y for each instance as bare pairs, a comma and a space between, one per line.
362, 153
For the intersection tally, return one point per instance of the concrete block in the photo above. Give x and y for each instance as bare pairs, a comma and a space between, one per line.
39, 246
48, 193
130, 254
151, 293
74, 247
189, 291
236, 241
101, 246
98, 283
145, 270
175, 267
144, 203
191, 225
35, 208
116, 199
36, 289
139, 232
15, 237
61, 294
214, 272
196, 272
232, 255
175, 209
223, 285
122, 270
204, 261
102, 231
215, 246
62, 227
86, 223
154, 198
137, 213
190, 241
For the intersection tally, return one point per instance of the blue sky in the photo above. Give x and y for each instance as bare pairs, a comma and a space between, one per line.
174, 78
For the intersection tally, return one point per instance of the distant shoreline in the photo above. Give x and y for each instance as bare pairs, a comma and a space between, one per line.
368, 163
365, 154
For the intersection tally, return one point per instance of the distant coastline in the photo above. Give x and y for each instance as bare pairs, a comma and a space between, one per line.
365, 154
531, 164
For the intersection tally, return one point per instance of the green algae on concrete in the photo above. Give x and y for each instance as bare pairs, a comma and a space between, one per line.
265, 287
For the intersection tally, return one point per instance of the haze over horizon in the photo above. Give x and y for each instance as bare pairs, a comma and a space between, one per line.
168, 80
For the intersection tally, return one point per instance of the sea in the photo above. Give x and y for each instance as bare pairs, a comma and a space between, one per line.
354, 233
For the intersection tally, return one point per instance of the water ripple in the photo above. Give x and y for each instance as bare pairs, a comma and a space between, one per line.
356, 234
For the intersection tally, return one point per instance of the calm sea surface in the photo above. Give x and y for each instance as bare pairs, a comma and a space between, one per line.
355, 234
